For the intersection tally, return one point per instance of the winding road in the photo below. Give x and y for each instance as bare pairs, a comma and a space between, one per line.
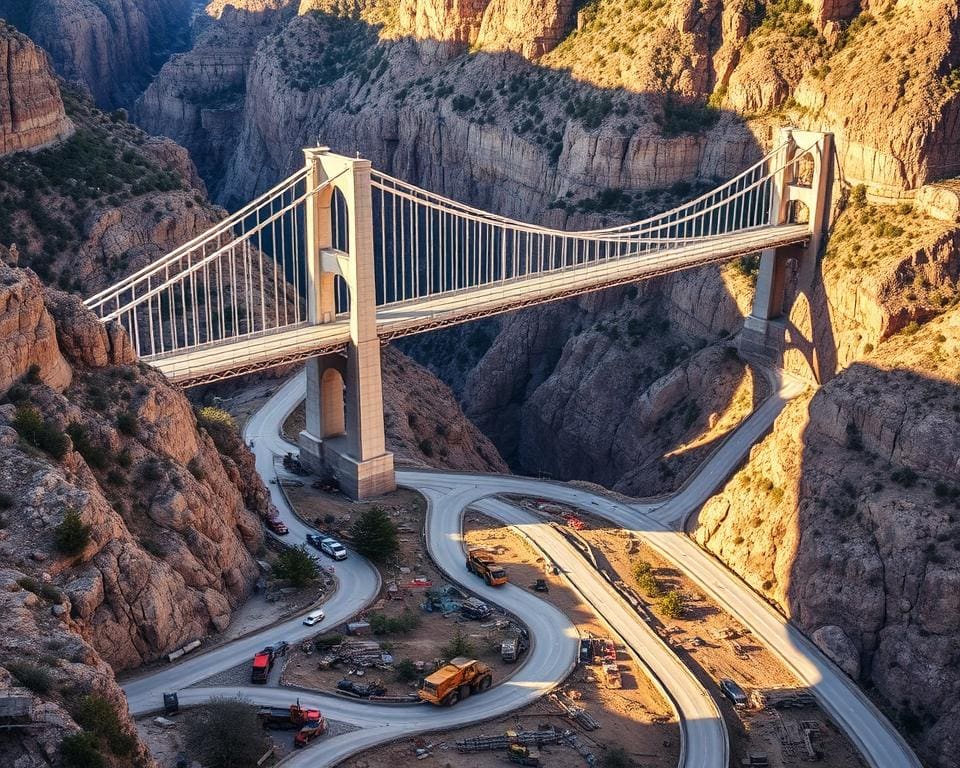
554, 639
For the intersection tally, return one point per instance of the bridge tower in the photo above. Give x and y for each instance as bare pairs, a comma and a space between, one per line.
344, 430
798, 187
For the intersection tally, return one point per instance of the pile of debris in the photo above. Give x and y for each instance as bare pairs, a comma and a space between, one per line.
357, 654
543, 735
576, 713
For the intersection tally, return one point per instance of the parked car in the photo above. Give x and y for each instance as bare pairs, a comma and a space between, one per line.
314, 539
733, 692
277, 525
472, 608
334, 549
314, 617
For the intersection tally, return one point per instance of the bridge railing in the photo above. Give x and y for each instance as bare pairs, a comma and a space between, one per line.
243, 277
427, 244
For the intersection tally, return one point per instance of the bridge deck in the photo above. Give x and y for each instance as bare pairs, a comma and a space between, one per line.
204, 364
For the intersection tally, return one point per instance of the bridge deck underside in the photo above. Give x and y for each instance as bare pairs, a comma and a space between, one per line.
287, 345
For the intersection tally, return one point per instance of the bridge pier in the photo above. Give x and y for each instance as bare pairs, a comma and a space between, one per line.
344, 431
795, 193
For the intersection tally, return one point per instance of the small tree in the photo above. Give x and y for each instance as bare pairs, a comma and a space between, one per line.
375, 535
81, 750
641, 568
459, 645
406, 671
672, 604
73, 534
296, 566
99, 716
649, 584
226, 734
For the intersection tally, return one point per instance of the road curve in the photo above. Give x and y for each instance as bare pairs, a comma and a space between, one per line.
878, 741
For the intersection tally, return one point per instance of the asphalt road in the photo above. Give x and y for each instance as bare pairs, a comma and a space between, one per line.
554, 638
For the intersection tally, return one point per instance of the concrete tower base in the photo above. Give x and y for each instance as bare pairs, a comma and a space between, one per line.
358, 479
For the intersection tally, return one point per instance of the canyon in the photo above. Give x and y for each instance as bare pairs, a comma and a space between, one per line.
844, 517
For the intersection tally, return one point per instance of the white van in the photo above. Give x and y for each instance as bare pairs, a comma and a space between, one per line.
334, 549
314, 617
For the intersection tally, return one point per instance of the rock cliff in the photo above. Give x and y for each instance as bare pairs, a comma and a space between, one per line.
847, 515
110, 46
102, 202
31, 110
170, 510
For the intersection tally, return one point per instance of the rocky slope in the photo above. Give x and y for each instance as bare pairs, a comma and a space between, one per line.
171, 513
110, 47
31, 110
848, 515
101, 203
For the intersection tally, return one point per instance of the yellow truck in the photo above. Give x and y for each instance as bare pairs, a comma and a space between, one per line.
483, 563
456, 680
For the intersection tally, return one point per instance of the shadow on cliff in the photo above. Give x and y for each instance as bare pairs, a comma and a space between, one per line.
848, 518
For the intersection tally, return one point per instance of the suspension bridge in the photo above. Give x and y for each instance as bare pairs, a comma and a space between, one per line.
339, 258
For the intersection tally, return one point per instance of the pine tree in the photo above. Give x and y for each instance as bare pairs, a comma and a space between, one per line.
375, 535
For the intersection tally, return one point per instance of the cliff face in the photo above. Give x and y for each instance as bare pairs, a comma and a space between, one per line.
31, 110
846, 515
171, 514
108, 45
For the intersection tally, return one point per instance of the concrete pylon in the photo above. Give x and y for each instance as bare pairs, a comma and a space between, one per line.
764, 328
344, 431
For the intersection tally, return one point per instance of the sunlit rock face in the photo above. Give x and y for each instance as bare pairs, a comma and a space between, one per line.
31, 110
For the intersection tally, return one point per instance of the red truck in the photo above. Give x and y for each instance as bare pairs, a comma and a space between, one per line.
262, 664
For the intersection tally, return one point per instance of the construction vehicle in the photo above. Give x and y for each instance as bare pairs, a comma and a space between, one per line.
472, 608
311, 722
456, 680
313, 727
521, 754
611, 675
512, 648
262, 664
483, 563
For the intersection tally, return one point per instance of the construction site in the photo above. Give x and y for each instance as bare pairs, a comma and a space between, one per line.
419, 621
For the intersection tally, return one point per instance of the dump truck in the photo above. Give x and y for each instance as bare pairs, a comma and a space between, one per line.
262, 664
456, 680
315, 726
483, 563
293, 716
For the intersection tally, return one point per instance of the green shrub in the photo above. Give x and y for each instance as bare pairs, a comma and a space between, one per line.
127, 423
858, 196
406, 671
150, 470
94, 455
98, 716
649, 584
640, 569
672, 605
904, 476
327, 641
375, 535
41, 434
51, 593
195, 469
29, 584
381, 624
296, 566
37, 679
72, 534
618, 757
81, 750
459, 645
